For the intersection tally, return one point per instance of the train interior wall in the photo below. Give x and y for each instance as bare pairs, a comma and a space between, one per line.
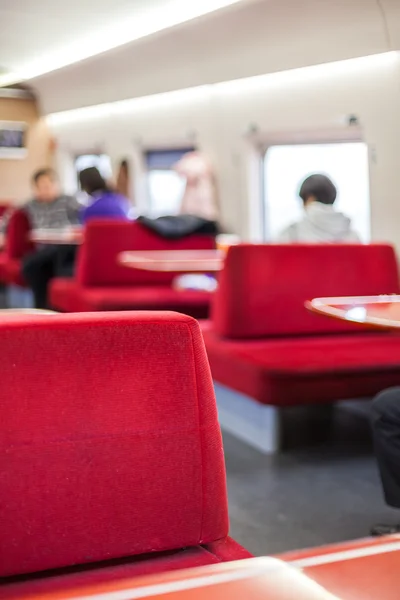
232, 121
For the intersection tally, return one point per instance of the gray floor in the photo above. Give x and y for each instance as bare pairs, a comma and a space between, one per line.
313, 493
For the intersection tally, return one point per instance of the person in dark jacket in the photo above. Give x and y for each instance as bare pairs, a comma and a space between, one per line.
386, 430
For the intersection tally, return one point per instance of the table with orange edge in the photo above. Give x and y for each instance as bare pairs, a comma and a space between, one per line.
363, 570
253, 579
382, 312
181, 261
174, 261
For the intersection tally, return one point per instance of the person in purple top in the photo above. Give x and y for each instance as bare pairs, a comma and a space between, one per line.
105, 203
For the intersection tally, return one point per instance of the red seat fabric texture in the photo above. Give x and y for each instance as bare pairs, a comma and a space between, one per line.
64, 580
12, 272
68, 295
262, 289
263, 342
3, 260
110, 444
308, 370
4, 207
101, 283
17, 245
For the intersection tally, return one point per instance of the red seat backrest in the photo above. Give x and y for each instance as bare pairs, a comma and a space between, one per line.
109, 440
4, 207
105, 240
263, 288
18, 229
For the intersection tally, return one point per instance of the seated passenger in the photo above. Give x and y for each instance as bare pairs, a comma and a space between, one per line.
104, 202
386, 430
58, 260
321, 222
49, 209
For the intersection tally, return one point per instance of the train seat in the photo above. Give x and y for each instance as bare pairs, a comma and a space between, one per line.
3, 260
103, 284
5, 206
267, 351
67, 295
111, 450
17, 245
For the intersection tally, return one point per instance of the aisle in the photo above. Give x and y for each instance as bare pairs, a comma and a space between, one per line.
308, 496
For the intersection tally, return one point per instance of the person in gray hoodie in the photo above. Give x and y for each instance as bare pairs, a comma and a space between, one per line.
321, 222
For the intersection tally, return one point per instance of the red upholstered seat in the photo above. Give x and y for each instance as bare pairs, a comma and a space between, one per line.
3, 260
114, 450
101, 283
262, 289
67, 293
17, 245
309, 370
263, 343
12, 272
5, 206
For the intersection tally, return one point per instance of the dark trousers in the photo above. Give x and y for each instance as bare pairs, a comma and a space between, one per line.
43, 265
386, 429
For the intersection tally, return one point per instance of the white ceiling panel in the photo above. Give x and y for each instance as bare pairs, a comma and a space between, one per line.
254, 39
37, 36
30, 29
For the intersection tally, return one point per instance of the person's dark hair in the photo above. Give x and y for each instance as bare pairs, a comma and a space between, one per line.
319, 187
92, 181
46, 172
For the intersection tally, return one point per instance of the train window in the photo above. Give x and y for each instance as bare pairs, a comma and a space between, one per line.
165, 186
101, 161
286, 166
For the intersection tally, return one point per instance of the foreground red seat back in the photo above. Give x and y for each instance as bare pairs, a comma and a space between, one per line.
263, 288
109, 440
105, 240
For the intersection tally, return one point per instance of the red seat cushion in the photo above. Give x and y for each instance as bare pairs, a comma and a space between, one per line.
307, 370
17, 245
102, 283
262, 289
12, 272
67, 295
116, 450
64, 294
98, 265
3, 260
222, 551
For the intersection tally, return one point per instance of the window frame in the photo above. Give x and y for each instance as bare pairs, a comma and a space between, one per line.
167, 147
350, 135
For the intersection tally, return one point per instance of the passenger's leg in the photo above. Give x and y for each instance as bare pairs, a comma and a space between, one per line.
38, 269
386, 430
65, 261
